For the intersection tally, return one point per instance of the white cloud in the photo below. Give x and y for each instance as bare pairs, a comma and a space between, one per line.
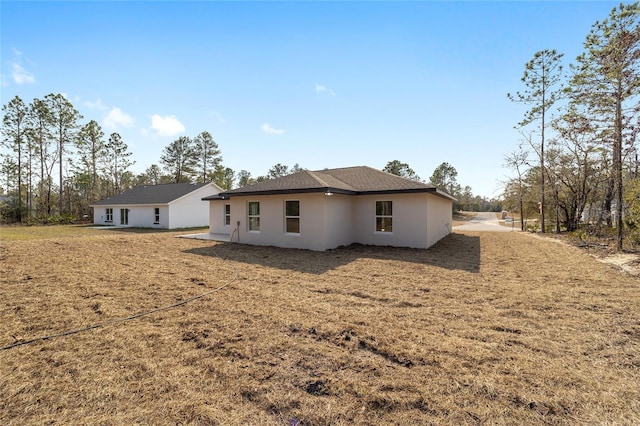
96, 105
324, 89
167, 126
21, 76
116, 119
266, 127
18, 75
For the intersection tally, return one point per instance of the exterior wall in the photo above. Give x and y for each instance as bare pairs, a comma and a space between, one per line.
216, 218
327, 222
189, 210
439, 218
338, 221
185, 212
100, 215
272, 223
139, 216
164, 217
409, 220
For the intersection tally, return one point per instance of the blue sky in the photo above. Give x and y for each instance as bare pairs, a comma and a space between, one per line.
321, 84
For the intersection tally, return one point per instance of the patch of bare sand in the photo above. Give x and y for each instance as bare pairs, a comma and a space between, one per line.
627, 262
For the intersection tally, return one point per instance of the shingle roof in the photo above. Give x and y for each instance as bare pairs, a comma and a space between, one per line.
349, 180
151, 194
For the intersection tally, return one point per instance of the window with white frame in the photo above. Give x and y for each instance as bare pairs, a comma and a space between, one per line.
292, 217
253, 210
109, 215
156, 215
384, 216
227, 214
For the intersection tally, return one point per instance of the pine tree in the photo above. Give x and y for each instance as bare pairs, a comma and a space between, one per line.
118, 163
179, 158
65, 122
92, 151
542, 78
208, 153
606, 84
13, 130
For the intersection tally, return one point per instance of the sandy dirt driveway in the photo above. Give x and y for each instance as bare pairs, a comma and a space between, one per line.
485, 222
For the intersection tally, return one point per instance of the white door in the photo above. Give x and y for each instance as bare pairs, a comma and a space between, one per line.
124, 216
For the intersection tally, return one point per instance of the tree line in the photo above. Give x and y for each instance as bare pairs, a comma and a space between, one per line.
577, 160
445, 177
54, 165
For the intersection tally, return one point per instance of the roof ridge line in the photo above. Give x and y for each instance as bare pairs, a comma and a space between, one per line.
313, 175
346, 184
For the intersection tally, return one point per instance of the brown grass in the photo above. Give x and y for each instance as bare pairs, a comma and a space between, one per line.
492, 328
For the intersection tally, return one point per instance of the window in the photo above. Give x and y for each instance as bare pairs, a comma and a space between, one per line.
109, 215
124, 216
254, 216
384, 216
156, 215
292, 217
227, 214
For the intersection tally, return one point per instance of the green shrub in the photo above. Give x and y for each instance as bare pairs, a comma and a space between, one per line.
65, 219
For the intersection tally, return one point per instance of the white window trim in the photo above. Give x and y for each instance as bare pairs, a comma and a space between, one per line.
225, 215
249, 216
376, 216
295, 234
156, 216
108, 212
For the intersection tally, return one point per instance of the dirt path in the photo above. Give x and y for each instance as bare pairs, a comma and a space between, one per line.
484, 222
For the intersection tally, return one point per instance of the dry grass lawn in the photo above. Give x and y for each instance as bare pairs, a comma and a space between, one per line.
491, 328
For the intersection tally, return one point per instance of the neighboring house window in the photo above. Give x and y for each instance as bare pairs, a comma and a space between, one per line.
156, 215
292, 217
384, 216
109, 214
227, 214
124, 216
254, 216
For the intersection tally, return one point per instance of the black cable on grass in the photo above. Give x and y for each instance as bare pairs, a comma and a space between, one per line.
117, 320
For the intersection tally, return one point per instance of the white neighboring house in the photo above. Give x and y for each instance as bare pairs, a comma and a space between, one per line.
324, 209
174, 205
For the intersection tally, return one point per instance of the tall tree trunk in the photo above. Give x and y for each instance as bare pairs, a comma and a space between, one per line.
605, 211
41, 207
19, 216
60, 147
49, 196
29, 187
521, 214
542, 206
557, 213
617, 167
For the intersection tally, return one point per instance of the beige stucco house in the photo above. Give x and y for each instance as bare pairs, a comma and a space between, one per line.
325, 209
174, 205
